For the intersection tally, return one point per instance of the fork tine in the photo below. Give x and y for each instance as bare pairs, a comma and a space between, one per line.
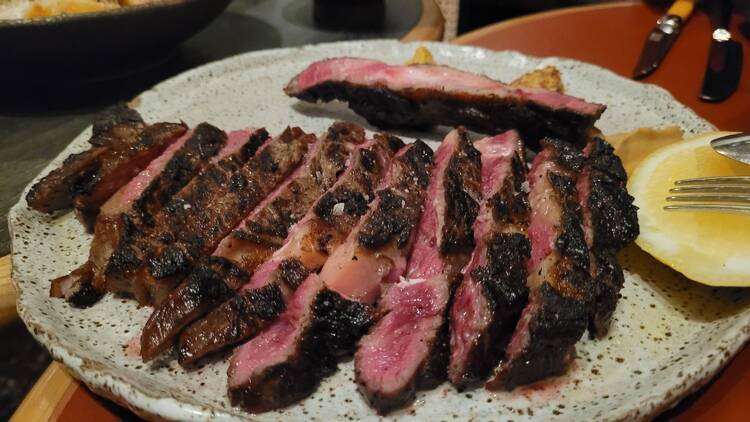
711, 189
730, 209
729, 180
711, 197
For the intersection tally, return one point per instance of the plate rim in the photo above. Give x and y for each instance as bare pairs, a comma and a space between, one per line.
106, 381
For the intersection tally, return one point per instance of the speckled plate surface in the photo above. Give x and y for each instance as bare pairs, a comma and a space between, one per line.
668, 337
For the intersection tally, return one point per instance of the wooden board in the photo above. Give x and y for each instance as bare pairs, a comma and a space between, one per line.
7, 292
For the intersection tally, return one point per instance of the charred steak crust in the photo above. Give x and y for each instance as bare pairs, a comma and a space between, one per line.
462, 191
608, 281
130, 154
236, 319
54, 191
327, 227
559, 325
421, 108
346, 132
292, 273
287, 382
202, 227
271, 225
510, 205
208, 285
76, 287
391, 219
355, 203
204, 143
612, 223
614, 217
507, 254
503, 281
399, 208
340, 322
571, 242
251, 147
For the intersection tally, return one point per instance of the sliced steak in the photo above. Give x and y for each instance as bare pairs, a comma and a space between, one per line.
407, 348
305, 250
224, 190
560, 287
133, 206
610, 221
208, 213
119, 165
252, 242
121, 148
426, 95
489, 300
114, 129
265, 230
328, 314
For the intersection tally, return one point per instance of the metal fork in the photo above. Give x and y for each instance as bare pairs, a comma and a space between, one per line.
726, 194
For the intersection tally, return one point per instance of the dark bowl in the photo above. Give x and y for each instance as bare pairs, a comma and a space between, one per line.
82, 43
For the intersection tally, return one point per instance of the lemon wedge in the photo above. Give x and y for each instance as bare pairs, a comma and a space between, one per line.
708, 247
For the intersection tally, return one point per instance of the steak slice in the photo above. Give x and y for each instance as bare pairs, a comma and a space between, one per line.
610, 221
120, 164
283, 364
608, 208
318, 327
489, 300
407, 348
265, 230
377, 250
252, 242
223, 178
111, 130
426, 95
560, 287
132, 207
305, 250
207, 212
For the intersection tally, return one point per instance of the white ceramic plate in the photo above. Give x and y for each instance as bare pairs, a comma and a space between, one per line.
668, 337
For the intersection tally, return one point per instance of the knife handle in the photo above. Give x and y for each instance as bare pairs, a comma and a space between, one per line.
682, 8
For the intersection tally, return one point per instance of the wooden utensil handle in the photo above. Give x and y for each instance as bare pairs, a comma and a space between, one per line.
7, 292
682, 8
